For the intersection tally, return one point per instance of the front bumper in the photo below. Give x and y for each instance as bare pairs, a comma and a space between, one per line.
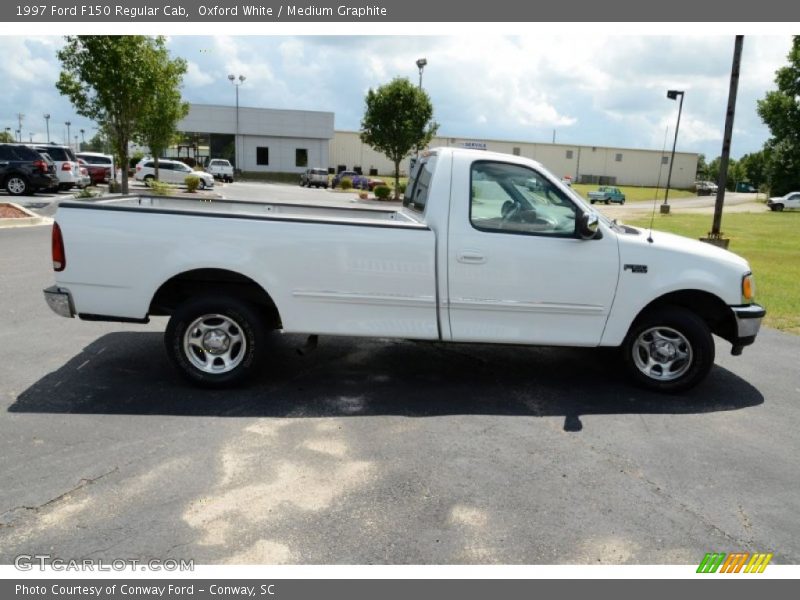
748, 321
60, 301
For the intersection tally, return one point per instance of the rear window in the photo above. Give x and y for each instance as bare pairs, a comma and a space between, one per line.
416, 196
58, 153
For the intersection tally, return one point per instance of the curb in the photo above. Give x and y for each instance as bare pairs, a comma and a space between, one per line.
31, 220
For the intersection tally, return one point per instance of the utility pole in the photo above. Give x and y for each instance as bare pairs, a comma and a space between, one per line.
715, 235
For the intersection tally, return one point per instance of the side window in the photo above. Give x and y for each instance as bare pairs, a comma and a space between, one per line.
6, 153
512, 198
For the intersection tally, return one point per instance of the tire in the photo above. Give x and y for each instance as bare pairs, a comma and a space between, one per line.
622, 202
17, 185
592, 201
202, 185
777, 207
677, 331
608, 202
233, 325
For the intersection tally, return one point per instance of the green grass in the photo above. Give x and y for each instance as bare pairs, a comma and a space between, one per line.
634, 194
769, 241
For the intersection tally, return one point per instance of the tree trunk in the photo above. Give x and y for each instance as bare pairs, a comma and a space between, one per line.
155, 164
122, 150
397, 180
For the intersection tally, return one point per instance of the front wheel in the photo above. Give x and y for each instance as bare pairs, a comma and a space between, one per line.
215, 341
669, 349
17, 185
777, 207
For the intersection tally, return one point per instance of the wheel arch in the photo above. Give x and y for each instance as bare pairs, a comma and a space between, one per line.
195, 282
709, 307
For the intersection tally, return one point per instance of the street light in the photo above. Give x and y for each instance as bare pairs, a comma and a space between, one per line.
421, 62
672, 95
83, 140
68, 123
47, 124
232, 78
19, 135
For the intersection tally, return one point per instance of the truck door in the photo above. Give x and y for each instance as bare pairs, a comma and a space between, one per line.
518, 273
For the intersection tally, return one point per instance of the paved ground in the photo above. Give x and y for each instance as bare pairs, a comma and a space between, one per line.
373, 451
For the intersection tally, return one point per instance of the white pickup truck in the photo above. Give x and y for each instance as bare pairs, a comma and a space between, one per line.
486, 248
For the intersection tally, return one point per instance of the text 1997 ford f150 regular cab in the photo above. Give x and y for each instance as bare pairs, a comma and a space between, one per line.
487, 248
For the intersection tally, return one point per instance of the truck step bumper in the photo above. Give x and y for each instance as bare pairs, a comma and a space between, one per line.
60, 301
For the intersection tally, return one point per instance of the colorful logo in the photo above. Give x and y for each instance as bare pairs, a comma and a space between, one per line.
736, 562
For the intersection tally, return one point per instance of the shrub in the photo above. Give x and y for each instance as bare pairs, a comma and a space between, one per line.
160, 188
114, 187
192, 183
382, 192
346, 183
401, 187
86, 193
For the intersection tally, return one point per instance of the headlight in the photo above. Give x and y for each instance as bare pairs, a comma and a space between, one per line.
748, 289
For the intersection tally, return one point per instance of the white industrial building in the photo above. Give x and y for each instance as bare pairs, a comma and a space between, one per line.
589, 164
269, 140
289, 141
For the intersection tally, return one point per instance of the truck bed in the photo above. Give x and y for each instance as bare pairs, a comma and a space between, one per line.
380, 217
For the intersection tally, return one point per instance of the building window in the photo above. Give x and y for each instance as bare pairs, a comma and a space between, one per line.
515, 151
262, 155
569, 154
301, 157
618, 157
665, 160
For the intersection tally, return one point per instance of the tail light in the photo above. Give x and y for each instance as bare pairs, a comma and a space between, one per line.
40, 165
59, 256
67, 166
138, 168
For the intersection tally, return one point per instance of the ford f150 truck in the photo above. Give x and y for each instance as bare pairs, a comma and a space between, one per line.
476, 254
607, 194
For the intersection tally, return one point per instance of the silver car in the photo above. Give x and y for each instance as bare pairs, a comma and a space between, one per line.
316, 177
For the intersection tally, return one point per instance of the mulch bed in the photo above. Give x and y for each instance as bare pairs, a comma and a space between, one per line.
10, 212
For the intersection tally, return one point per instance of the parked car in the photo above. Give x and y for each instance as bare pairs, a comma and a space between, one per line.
472, 256
359, 181
607, 194
96, 174
97, 159
170, 171
24, 171
790, 200
67, 168
221, 169
374, 182
316, 177
706, 188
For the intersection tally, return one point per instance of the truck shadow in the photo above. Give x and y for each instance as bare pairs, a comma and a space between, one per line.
128, 373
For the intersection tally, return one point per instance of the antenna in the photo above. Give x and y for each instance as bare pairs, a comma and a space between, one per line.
658, 184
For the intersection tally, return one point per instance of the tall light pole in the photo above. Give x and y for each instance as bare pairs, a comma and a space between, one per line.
233, 79
47, 124
83, 140
421, 62
672, 95
68, 123
19, 135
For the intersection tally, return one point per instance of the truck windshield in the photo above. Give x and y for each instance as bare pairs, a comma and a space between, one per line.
416, 195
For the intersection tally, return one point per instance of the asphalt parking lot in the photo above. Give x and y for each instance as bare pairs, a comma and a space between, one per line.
377, 451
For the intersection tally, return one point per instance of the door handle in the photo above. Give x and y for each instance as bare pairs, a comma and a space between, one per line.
471, 257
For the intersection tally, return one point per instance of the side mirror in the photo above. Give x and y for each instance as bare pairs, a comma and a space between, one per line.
588, 226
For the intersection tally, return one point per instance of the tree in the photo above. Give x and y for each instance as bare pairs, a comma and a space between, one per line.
157, 127
701, 173
6, 137
780, 111
754, 167
398, 119
110, 79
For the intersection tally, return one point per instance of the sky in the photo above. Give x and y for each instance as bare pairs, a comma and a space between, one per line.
584, 89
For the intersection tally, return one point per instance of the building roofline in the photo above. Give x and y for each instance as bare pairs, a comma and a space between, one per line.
565, 146
261, 108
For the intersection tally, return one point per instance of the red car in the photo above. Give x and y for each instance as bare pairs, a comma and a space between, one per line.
97, 173
373, 183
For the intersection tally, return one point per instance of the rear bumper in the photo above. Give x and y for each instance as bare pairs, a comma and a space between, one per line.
748, 321
60, 301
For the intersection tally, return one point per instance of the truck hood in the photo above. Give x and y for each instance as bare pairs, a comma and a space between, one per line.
679, 245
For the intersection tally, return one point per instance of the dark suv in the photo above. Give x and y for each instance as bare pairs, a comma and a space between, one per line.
24, 171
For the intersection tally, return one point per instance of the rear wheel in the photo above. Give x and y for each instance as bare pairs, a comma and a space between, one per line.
215, 341
669, 349
17, 185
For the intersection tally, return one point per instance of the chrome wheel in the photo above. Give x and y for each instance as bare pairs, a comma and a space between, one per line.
16, 186
214, 343
662, 353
